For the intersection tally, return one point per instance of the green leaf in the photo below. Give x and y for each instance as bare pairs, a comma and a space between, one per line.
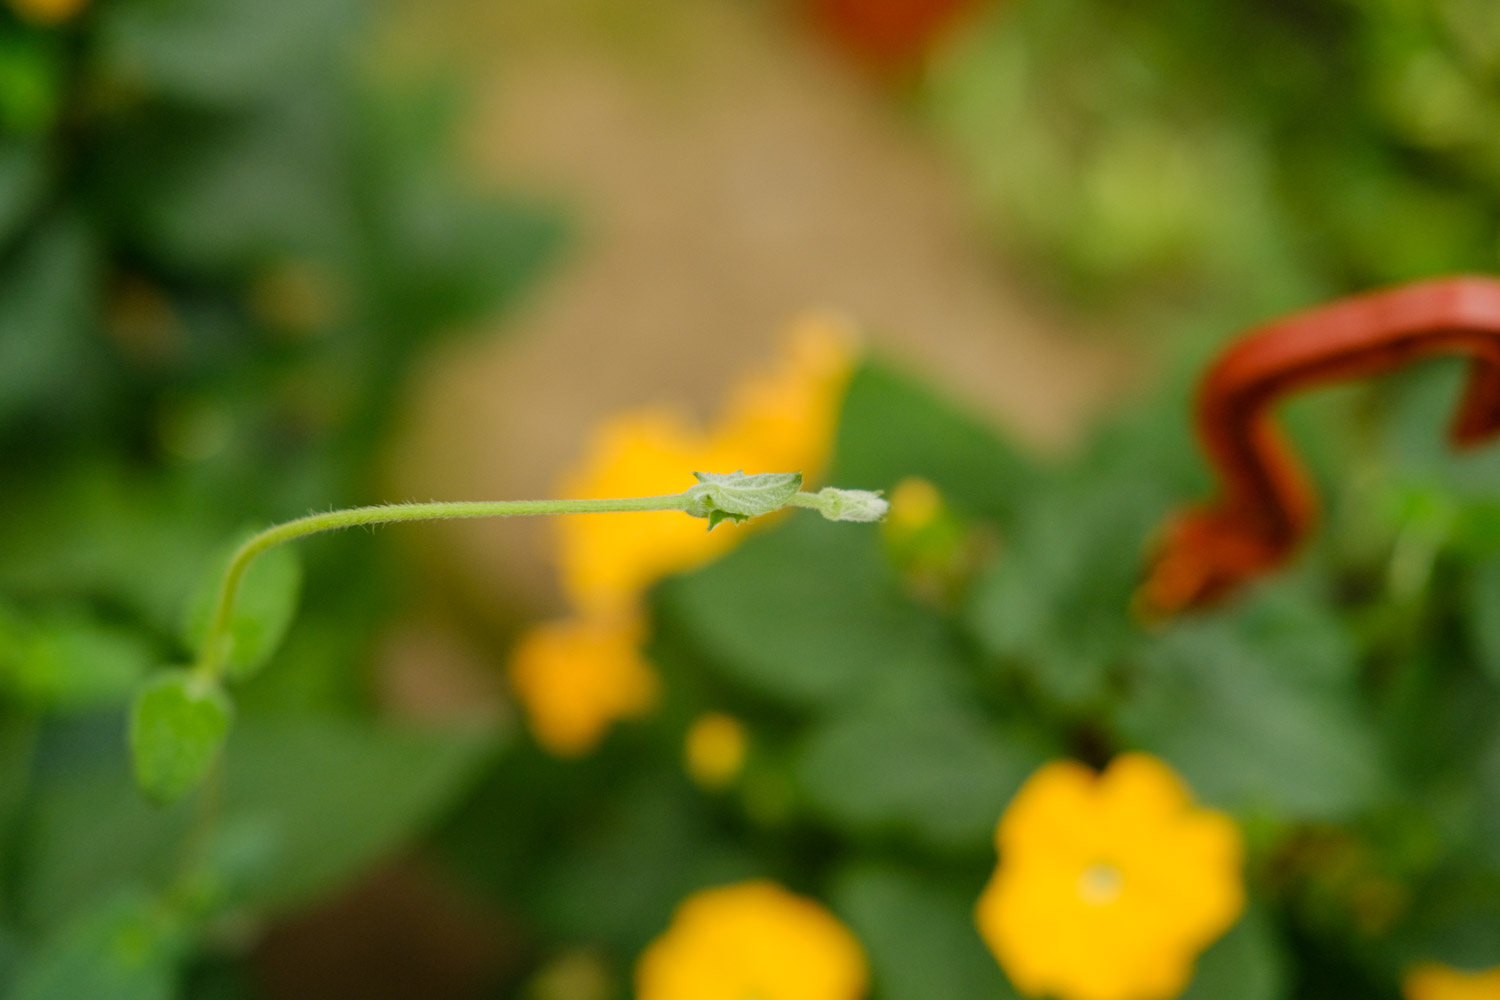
1246, 732
892, 427
1482, 607
918, 764
263, 608
204, 193
1453, 918
177, 728
839, 619
1245, 964
619, 871
1055, 608
126, 947
718, 517
918, 931
438, 256
316, 799
67, 662
740, 496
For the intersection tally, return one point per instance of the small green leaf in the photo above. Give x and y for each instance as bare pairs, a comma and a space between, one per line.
177, 727
718, 517
263, 609
740, 496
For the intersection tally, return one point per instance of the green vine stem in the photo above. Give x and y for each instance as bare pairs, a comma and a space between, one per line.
717, 497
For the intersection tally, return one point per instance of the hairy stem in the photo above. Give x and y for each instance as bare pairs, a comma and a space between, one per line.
211, 659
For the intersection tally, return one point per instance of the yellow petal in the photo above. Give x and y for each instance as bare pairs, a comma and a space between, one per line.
577, 677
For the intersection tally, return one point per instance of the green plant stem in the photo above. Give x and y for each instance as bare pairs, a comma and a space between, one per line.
211, 661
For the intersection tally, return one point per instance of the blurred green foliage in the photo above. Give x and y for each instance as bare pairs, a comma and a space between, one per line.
1257, 156
221, 247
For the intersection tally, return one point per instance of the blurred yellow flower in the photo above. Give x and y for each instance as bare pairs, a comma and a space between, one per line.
715, 749
1109, 886
752, 941
578, 676
779, 422
47, 12
784, 420
915, 504
1432, 981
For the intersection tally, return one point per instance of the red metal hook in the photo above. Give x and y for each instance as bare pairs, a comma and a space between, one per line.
1266, 506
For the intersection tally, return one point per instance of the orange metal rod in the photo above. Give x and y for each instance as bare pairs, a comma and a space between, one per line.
1266, 507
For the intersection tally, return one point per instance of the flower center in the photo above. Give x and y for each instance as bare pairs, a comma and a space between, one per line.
1100, 884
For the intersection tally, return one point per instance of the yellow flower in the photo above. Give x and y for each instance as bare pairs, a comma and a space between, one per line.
752, 941
715, 749
784, 420
1431, 981
1109, 886
578, 676
779, 422
47, 12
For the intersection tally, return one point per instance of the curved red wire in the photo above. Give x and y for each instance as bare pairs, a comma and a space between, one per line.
1265, 506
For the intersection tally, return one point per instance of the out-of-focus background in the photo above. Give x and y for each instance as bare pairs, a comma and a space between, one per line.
261, 258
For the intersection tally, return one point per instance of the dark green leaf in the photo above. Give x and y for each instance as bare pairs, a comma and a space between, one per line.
919, 933
1454, 918
892, 428
618, 875
1244, 964
1247, 733
177, 728
839, 621
922, 764
203, 193
263, 609
1055, 608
